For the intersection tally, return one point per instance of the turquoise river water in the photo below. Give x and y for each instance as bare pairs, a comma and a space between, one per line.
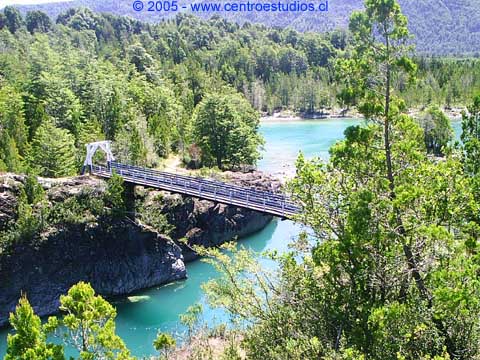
143, 315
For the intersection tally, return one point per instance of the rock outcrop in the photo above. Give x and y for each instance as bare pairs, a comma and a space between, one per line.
205, 223
115, 260
117, 256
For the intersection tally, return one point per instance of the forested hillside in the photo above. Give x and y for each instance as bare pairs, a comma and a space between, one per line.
440, 27
88, 77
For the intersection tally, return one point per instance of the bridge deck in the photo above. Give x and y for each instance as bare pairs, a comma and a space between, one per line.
262, 201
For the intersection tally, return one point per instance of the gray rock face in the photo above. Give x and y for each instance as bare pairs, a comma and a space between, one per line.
208, 224
205, 223
117, 257
9, 187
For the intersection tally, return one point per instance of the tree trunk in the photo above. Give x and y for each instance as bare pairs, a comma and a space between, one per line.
407, 250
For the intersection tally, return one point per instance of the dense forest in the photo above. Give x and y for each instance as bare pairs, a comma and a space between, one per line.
88, 77
389, 267
440, 27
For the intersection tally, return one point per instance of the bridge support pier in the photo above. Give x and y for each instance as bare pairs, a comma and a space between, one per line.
130, 200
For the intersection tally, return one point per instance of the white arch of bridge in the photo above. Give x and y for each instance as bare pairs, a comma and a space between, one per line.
105, 146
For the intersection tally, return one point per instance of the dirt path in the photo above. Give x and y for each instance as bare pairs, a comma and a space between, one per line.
174, 165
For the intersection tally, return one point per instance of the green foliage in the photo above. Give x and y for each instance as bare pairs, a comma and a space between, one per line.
470, 157
12, 120
437, 130
10, 157
13, 140
226, 130
151, 213
387, 267
431, 24
164, 343
355, 293
401, 330
74, 211
392, 272
33, 190
471, 137
35, 213
379, 49
457, 304
31, 214
29, 342
115, 195
90, 131
29, 221
3, 21
231, 353
443, 81
90, 324
107, 77
53, 152
13, 19
37, 21
191, 318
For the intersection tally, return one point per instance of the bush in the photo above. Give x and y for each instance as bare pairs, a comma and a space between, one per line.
115, 195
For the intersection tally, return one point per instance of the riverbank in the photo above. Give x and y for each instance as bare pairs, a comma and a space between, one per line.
117, 255
287, 115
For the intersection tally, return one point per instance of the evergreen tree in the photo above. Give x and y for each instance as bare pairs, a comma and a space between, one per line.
115, 195
9, 155
14, 20
3, 21
226, 130
130, 143
37, 21
53, 152
471, 137
61, 104
437, 130
33, 190
29, 342
12, 120
90, 324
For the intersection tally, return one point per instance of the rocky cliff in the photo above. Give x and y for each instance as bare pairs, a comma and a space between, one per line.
205, 223
116, 255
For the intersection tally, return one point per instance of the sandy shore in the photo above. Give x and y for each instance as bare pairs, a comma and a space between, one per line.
287, 116
280, 117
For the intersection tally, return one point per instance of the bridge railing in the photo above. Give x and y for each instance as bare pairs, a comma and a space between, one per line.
191, 179
213, 190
